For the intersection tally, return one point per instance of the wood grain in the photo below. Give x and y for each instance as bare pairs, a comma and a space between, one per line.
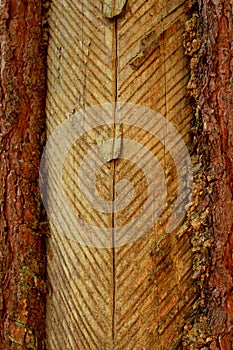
135, 296
112, 8
80, 74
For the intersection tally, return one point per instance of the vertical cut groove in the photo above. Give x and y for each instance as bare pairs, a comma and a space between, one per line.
114, 177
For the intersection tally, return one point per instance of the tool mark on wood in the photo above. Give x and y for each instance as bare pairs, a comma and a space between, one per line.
151, 43
117, 144
113, 8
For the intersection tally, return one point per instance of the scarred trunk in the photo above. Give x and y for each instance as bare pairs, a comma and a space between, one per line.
22, 259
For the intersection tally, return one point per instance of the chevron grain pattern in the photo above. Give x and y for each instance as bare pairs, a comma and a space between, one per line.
135, 296
80, 73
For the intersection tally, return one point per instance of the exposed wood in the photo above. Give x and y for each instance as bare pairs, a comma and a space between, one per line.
22, 243
154, 291
112, 8
138, 295
81, 73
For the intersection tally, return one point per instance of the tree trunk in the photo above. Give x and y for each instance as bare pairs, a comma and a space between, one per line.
163, 290
22, 92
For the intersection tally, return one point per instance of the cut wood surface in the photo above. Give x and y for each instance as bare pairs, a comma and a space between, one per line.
134, 296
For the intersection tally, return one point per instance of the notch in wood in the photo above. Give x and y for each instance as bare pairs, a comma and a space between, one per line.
113, 8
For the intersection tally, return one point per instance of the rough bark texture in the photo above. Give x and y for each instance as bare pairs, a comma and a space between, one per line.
216, 105
210, 45
22, 247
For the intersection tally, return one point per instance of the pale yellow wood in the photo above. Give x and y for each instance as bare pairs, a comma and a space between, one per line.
153, 71
132, 297
80, 74
112, 8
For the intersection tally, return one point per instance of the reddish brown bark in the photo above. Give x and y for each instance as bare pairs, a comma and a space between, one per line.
22, 258
216, 104
212, 86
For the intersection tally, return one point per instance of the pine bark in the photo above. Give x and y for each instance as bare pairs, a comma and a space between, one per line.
212, 86
216, 105
22, 227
